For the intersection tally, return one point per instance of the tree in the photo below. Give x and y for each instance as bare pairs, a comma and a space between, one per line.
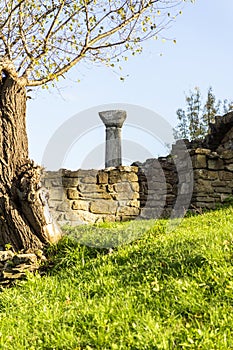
40, 41
181, 131
194, 120
211, 108
193, 113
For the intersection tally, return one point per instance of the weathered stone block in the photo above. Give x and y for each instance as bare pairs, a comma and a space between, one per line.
57, 182
68, 182
80, 216
102, 177
54, 203
134, 203
114, 177
128, 168
103, 207
73, 194
88, 188
135, 186
88, 172
89, 180
63, 206
205, 174
229, 167
227, 154
46, 183
206, 199
199, 161
123, 187
51, 174
97, 195
80, 205
125, 195
128, 211
214, 155
202, 151
219, 183
225, 175
203, 186
129, 176
136, 195
70, 173
205, 205
56, 193
215, 164
223, 190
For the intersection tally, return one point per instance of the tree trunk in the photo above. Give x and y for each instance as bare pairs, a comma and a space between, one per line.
25, 222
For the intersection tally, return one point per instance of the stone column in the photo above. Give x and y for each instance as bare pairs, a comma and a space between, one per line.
113, 120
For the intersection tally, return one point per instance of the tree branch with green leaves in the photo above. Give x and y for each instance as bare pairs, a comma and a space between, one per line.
43, 40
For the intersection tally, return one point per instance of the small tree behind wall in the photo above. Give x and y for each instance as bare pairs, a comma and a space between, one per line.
41, 40
195, 118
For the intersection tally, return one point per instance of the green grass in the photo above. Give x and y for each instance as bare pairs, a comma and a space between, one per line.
165, 290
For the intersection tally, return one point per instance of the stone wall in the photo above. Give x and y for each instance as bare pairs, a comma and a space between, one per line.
175, 184
158, 186
213, 177
166, 184
213, 164
90, 196
197, 174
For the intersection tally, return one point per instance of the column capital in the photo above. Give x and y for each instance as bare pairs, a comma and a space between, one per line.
113, 118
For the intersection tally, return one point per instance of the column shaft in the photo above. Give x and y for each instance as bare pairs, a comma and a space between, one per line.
113, 147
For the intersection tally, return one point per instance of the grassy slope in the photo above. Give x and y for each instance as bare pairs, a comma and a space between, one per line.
164, 291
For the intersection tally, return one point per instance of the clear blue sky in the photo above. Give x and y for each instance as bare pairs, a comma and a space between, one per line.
203, 56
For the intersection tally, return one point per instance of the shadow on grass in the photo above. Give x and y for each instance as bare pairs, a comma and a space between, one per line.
67, 253
162, 263
133, 263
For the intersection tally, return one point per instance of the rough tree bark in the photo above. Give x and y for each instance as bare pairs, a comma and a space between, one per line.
25, 222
